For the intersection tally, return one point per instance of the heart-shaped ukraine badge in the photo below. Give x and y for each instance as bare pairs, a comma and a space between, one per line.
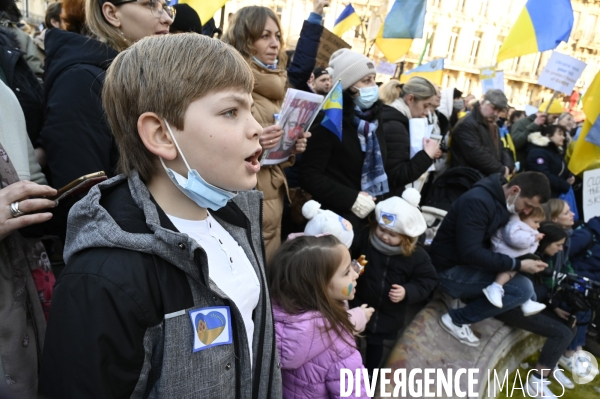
209, 326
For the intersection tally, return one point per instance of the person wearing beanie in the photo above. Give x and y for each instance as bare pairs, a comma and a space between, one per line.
348, 175
546, 154
321, 221
187, 20
322, 81
399, 272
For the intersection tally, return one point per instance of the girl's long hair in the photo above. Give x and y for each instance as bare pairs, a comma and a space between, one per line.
299, 277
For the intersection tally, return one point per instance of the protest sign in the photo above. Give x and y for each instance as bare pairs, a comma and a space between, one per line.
561, 73
328, 45
386, 68
491, 79
591, 194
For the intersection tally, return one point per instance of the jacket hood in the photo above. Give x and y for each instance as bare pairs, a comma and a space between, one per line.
299, 337
493, 185
447, 102
91, 225
66, 49
538, 139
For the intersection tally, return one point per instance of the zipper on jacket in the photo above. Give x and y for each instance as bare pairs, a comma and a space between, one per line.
387, 262
258, 365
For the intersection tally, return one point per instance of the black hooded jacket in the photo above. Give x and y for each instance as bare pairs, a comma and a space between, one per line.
399, 166
76, 136
545, 157
464, 237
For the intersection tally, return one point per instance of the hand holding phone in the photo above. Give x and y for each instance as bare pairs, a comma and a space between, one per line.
78, 186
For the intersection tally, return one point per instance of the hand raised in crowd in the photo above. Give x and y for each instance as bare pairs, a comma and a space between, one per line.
538, 237
563, 314
301, 143
532, 266
540, 118
363, 205
270, 137
319, 5
397, 293
16, 205
571, 180
432, 148
368, 311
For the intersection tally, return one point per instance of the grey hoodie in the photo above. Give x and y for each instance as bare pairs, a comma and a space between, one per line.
123, 303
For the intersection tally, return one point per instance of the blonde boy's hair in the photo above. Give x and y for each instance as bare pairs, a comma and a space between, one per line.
165, 74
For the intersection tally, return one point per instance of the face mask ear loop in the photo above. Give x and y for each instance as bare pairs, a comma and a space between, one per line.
178, 149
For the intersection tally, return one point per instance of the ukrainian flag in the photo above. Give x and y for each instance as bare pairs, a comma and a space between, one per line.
206, 9
347, 20
432, 71
405, 20
586, 154
392, 49
333, 108
541, 26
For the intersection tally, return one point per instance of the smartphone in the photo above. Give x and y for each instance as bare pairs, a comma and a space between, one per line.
80, 185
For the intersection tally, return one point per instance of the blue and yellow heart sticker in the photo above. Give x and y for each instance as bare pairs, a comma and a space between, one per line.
212, 326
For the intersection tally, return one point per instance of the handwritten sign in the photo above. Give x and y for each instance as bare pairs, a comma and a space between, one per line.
491, 79
328, 45
591, 194
386, 68
561, 73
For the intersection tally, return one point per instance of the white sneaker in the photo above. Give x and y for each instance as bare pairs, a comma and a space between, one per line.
530, 307
494, 293
463, 334
567, 364
559, 376
538, 388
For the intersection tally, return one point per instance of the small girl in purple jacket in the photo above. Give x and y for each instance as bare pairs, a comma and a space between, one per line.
309, 279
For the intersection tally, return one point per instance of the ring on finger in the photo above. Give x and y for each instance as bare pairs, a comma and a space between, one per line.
14, 210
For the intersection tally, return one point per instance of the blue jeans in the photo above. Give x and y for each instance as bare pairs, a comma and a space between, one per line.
467, 283
579, 339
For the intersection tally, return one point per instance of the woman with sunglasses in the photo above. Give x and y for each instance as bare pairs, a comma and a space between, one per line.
75, 137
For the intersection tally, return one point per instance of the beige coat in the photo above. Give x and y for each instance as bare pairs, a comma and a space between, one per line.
269, 90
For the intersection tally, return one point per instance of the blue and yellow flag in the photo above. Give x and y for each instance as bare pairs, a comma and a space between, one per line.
405, 20
586, 154
541, 26
392, 49
206, 9
333, 107
347, 20
432, 71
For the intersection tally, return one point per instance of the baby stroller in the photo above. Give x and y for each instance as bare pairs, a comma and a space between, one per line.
443, 192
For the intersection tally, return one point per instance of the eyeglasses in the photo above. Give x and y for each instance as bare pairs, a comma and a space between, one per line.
156, 7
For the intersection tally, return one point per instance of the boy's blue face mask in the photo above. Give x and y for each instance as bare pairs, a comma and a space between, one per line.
195, 187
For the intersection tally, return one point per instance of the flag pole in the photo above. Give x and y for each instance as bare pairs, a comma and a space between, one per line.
424, 49
324, 100
550, 102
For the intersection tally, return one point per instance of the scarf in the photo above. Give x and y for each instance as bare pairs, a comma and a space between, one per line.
401, 106
382, 247
373, 179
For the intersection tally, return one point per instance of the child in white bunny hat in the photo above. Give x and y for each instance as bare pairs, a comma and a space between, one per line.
400, 272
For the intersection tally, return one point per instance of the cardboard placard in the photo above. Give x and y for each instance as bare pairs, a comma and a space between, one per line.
561, 73
591, 194
491, 79
328, 45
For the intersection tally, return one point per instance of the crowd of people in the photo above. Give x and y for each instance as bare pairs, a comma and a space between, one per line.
191, 270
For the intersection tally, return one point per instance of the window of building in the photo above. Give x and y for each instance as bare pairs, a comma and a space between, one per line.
536, 63
452, 43
431, 36
279, 11
589, 27
475, 44
434, 3
484, 7
497, 46
460, 5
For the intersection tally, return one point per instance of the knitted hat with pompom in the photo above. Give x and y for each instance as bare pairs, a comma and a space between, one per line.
402, 215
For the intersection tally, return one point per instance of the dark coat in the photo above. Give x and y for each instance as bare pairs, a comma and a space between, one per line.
464, 236
331, 169
584, 252
22, 82
415, 273
472, 144
76, 136
545, 157
400, 168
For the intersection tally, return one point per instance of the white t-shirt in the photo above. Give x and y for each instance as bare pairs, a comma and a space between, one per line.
228, 266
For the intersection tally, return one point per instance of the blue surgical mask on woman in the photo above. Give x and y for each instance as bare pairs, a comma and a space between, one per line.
267, 66
367, 96
195, 187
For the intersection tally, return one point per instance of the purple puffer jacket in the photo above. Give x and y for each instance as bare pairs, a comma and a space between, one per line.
310, 361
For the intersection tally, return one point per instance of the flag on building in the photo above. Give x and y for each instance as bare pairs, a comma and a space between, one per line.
348, 19
405, 20
433, 71
586, 154
333, 107
206, 9
541, 26
392, 49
